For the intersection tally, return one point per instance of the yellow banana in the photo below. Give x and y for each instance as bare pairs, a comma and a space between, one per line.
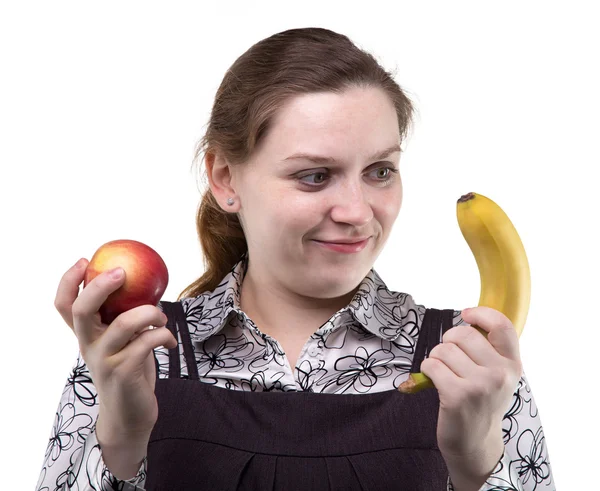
502, 263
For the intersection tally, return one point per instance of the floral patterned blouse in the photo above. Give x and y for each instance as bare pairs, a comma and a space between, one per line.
367, 346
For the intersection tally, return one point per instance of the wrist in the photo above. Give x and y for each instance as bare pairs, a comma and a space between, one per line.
470, 472
115, 432
122, 452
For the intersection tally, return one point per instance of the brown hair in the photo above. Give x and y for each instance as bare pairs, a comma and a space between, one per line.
292, 62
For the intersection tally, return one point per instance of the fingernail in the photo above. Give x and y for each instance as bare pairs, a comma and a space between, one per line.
79, 264
116, 273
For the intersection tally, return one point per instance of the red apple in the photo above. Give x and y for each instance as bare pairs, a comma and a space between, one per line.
146, 276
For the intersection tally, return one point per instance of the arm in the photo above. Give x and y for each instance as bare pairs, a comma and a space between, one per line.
524, 465
73, 459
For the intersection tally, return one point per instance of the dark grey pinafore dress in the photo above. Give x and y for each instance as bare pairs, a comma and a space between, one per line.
212, 438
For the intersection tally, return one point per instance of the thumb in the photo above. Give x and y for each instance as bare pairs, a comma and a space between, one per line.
506, 342
497, 328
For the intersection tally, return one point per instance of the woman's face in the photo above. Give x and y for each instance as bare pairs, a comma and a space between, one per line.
285, 203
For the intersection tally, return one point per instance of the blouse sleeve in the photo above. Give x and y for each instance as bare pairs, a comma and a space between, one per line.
525, 465
73, 459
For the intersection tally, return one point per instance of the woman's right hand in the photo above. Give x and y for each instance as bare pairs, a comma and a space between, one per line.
119, 356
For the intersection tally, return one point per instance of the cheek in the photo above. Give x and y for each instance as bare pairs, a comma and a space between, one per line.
388, 206
276, 209
386, 212
398, 195
300, 212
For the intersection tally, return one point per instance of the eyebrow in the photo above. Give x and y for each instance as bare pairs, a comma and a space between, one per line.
318, 159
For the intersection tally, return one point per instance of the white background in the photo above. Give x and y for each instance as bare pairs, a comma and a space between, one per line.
101, 105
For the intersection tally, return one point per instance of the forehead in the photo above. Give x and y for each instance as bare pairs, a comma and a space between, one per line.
336, 124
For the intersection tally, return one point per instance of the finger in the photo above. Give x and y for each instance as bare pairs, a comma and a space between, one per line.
439, 373
455, 359
473, 344
86, 306
68, 290
129, 326
135, 353
502, 335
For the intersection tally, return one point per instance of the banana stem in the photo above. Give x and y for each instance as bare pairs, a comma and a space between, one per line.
416, 382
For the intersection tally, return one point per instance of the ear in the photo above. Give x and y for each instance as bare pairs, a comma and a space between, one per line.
220, 178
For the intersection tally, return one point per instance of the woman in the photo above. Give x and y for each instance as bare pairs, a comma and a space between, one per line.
278, 368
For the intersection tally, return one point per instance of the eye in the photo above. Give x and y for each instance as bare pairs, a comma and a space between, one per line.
318, 174
320, 177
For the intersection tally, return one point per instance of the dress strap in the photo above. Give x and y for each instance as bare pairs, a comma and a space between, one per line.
177, 324
174, 360
188, 349
435, 323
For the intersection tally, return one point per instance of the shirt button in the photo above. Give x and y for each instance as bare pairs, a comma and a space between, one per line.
313, 351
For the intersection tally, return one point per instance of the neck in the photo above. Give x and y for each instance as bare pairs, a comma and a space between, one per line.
280, 313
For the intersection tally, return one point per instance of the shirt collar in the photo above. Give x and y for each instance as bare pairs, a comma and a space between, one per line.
380, 311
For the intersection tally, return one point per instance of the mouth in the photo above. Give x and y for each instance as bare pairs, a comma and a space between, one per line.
347, 248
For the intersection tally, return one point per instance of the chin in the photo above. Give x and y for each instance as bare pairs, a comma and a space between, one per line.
333, 281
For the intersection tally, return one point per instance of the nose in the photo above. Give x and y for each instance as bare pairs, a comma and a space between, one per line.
351, 205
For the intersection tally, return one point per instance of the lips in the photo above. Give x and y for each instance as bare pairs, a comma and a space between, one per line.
344, 241
347, 248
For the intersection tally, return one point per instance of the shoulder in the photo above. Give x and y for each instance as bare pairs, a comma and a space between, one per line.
187, 304
374, 299
203, 315
408, 314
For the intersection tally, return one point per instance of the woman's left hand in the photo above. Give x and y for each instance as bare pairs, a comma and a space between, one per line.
475, 378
